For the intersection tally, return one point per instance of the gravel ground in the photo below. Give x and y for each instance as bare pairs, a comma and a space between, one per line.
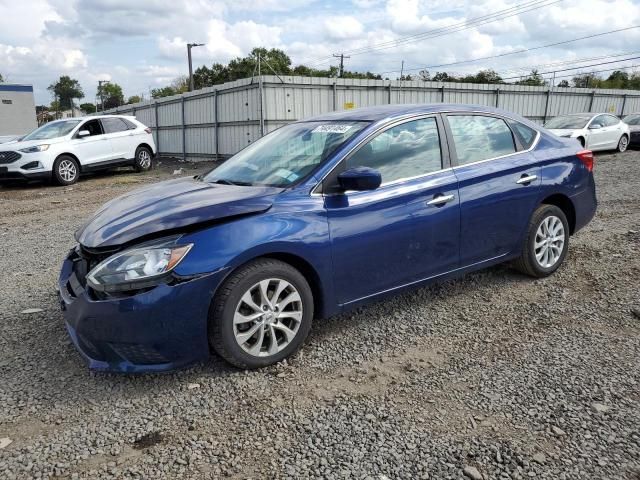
494, 375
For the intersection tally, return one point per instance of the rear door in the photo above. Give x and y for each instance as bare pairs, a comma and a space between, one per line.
598, 134
498, 181
408, 228
95, 147
119, 136
613, 129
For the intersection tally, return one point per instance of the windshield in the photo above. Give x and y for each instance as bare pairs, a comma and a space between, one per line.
286, 155
568, 121
52, 130
632, 119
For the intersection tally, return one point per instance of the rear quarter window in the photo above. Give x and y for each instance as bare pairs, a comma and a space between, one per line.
526, 135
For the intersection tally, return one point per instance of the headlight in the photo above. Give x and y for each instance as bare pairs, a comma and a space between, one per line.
37, 148
140, 267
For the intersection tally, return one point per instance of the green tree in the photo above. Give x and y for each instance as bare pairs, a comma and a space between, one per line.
534, 79
65, 90
111, 95
563, 83
618, 79
163, 92
1, 78
483, 76
134, 99
88, 108
444, 77
586, 80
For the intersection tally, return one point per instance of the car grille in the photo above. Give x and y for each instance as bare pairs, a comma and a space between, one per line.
9, 157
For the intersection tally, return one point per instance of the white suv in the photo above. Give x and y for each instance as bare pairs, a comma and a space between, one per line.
63, 149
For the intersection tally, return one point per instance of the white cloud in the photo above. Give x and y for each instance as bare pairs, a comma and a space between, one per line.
343, 27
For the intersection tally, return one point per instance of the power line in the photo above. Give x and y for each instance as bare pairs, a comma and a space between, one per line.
523, 50
580, 67
465, 25
566, 62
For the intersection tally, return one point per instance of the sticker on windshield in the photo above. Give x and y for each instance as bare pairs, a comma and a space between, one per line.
332, 128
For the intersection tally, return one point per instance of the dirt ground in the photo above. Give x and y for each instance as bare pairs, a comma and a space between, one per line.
493, 375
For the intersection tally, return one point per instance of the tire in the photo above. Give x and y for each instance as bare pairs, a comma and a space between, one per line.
623, 144
289, 324
144, 159
66, 170
582, 141
530, 263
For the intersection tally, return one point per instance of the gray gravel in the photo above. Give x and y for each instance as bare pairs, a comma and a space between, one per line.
491, 376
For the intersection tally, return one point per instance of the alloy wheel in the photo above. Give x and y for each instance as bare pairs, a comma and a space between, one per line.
267, 317
67, 170
144, 159
549, 242
623, 143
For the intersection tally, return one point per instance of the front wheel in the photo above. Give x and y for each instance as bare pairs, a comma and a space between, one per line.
623, 143
546, 243
143, 159
261, 315
66, 170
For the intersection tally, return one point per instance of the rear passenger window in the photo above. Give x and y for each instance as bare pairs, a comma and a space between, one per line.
610, 121
130, 125
477, 137
113, 125
525, 134
404, 151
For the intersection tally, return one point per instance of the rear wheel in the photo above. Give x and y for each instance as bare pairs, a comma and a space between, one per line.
623, 143
66, 170
546, 243
261, 315
582, 141
143, 159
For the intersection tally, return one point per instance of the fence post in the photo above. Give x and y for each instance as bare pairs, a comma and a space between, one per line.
624, 102
389, 96
184, 133
442, 94
497, 97
261, 106
335, 96
155, 104
593, 95
546, 106
215, 122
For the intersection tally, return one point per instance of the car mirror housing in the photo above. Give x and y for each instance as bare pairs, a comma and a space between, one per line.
360, 179
84, 133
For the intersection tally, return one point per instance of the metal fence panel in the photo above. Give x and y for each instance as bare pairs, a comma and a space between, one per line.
221, 120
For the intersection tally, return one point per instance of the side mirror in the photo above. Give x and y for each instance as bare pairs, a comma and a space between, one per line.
595, 127
84, 133
360, 179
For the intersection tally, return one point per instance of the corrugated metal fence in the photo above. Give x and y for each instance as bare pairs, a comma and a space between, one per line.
218, 121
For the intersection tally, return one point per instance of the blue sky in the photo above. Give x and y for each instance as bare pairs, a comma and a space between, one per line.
141, 44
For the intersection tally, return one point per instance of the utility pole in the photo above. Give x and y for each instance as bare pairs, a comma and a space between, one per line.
189, 47
341, 56
100, 83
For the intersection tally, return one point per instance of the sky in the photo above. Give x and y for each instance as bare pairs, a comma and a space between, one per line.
142, 44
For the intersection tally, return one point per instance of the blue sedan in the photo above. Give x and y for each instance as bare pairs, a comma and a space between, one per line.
316, 218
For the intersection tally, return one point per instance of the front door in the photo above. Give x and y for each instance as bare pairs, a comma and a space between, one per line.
95, 147
407, 229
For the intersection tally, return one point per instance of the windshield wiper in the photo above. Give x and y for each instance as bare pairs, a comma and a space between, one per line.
224, 181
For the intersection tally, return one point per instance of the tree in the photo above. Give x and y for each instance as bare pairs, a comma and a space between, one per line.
534, 79
563, 83
88, 108
65, 90
163, 92
111, 95
586, 80
424, 75
443, 77
1, 78
134, 99
618, 79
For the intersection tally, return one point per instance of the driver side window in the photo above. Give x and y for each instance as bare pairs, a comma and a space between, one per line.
404, 151
93, 126
598, 121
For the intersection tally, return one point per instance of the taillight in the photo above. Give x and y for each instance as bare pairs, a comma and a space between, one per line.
148, 130
586, 157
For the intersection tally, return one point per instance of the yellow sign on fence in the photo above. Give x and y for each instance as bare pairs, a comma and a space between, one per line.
349, 105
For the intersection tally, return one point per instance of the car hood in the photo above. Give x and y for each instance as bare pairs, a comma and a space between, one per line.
18, 145
170, 205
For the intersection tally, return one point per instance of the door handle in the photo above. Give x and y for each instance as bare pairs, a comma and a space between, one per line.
527, 179
440, 200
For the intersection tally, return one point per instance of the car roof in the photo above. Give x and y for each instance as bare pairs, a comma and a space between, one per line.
389, 112
90, 117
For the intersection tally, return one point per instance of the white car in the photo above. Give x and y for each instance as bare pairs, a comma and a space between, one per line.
63, 149
633, 121
595, 131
